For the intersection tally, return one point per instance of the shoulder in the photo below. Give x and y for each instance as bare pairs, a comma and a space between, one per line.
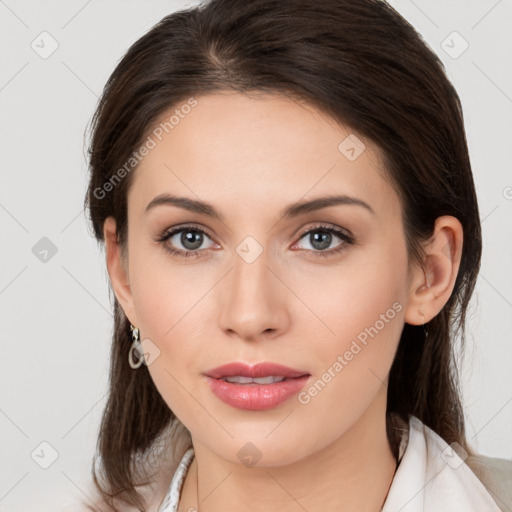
496, 475
89, 499
163, 463
477, 474
433, 475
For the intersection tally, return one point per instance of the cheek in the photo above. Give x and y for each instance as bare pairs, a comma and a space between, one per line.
350, 368
360, 317
171, 314
365, 334
162, 293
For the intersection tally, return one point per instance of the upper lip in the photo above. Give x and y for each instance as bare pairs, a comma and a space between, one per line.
255, 371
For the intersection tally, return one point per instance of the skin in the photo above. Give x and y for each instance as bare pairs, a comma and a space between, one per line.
250, 156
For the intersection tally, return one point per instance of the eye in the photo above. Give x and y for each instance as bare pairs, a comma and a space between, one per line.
191, 239
320, 238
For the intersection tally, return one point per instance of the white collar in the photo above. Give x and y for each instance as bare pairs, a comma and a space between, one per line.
431, 477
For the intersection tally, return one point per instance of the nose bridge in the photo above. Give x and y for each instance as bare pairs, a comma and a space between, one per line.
251, 302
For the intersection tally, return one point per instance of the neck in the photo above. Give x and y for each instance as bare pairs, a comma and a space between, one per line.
353, 473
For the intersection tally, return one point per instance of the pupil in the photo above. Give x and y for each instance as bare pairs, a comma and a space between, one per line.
324, 240
188, 237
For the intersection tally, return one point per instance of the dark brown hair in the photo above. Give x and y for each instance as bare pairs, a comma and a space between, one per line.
365, 66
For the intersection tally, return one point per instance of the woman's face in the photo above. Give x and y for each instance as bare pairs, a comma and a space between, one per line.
259, 286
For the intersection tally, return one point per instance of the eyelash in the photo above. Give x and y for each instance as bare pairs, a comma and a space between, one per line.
345, 237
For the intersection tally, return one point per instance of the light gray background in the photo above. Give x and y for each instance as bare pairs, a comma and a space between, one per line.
55, 315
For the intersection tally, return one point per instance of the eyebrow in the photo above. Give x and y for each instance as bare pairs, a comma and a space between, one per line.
292, 210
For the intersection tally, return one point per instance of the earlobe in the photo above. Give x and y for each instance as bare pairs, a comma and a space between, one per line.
432, 284
118, 270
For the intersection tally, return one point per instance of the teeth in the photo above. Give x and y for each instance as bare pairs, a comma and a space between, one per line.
257, 380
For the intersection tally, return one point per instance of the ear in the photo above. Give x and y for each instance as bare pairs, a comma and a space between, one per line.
117, 266
432, 284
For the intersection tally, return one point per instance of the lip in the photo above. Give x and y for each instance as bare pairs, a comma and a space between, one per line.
256, 370
255, 397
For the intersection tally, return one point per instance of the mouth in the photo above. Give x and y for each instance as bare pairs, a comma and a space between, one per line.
258, 387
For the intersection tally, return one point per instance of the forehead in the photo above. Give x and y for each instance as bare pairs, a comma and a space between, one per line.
235, 149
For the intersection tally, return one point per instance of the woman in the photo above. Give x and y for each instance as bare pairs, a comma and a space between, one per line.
292, 236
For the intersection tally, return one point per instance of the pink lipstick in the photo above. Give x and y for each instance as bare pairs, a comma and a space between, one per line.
255, 388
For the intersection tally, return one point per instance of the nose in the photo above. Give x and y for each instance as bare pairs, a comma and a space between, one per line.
253, 300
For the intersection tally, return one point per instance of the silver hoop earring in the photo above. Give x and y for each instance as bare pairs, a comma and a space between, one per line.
135, 346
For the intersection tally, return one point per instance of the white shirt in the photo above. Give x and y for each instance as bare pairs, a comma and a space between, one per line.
431, 477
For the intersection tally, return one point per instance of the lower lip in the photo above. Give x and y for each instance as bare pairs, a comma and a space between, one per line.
256, 397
